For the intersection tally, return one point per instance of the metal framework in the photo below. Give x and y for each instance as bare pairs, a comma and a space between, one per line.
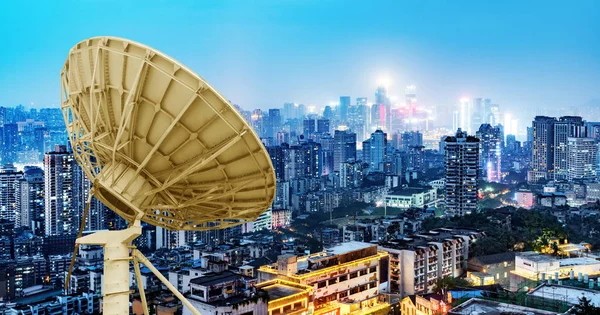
159, 145
157, 139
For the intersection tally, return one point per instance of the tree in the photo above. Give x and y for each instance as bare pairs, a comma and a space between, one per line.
445, 284
585, 307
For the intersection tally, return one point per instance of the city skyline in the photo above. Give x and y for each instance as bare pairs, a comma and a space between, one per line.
262, 55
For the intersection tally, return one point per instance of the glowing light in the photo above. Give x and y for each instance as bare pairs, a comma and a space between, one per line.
342, 127
384, 81
311, 109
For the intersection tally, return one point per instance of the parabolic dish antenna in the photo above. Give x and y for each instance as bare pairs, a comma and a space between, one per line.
156, 139
159, 145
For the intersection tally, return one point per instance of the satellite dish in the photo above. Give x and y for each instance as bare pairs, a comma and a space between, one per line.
160, 145
158, 141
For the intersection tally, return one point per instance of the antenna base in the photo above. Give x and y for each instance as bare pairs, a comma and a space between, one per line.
117, 245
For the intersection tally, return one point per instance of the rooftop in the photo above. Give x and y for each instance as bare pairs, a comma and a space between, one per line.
409, 191
348, 247
563, 293
496, 258
216, 278
277, 291
478, 306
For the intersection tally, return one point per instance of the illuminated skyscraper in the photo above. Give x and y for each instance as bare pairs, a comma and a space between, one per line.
31, 200
542, 153
377, 146
344, 148
490, 140
59, 199
10, 142
461, 159
565, 127
582, 159
9, 192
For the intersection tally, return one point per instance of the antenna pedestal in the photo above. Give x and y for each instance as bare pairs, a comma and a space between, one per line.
117, 245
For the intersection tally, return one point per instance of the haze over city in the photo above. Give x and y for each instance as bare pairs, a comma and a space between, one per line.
300, 157
534, 55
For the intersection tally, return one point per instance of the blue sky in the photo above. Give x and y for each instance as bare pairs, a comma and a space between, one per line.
523, 54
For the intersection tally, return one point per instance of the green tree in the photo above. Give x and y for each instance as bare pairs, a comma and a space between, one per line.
446, 284
585, 307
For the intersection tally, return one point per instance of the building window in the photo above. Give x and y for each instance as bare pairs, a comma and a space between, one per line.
353, 275
322, 284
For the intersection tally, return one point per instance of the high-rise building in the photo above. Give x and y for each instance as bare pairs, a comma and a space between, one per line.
277, 158
410, 139
582, 159
377, 147
9, 192
31, 200
416, 158
343, 108
274, 122
312, 158
323, 126
344, 148
10, 142
565, 127
308, 127
461, 160
542, 153
256, 121
464, 114
490, 140
61, 211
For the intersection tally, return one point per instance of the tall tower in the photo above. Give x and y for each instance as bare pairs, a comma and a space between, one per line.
542, 153
565, 127
9, 142
343, 109
461, 157
582, 159
344, 148
31, 200
377, 150
490, 139
9, 192
274, 122
60, 192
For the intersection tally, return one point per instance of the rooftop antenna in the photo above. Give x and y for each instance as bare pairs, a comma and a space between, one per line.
159, 145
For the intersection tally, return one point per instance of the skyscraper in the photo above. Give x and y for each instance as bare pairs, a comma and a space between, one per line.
377, 150
582, 159
10, 142
410, 139
343, 109
490, 140
277, 158
31, 200
565, 127
60, 208
323, 126
308, 127
257, 122
461, 160
9, 192
274, 122
344, 148
542, 153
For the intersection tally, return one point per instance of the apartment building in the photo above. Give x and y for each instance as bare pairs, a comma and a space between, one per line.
417, 261
344, 278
